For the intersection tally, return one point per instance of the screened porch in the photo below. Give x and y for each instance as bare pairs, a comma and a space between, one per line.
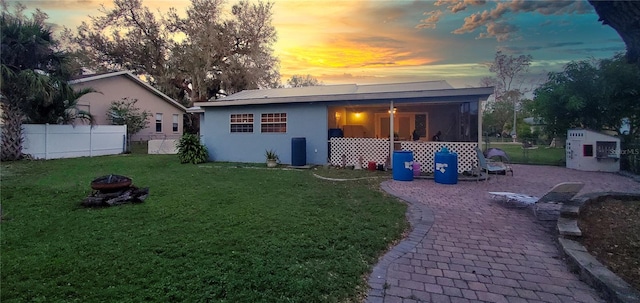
363, 133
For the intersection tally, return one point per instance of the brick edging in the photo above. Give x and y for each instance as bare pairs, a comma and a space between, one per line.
421, 219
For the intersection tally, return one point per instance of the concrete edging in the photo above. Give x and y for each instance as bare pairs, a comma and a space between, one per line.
589, 268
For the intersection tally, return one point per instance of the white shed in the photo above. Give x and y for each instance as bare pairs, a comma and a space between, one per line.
592, 151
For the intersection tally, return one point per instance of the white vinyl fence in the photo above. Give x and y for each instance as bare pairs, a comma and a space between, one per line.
48, 141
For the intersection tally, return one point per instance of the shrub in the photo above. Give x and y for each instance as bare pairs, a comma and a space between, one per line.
190, 150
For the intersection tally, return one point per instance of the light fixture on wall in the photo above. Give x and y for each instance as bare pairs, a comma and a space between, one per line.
394, 110
357, 115
337, 115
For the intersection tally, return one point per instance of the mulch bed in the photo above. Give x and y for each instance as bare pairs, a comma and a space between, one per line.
611, 232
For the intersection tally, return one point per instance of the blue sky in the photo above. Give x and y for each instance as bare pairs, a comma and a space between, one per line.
366, 42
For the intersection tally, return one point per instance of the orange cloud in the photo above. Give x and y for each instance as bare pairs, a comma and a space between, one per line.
356, 38
342, 53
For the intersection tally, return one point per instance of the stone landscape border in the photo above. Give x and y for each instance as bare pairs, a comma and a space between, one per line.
581, 261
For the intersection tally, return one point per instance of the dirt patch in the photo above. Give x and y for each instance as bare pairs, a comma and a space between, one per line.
611, 233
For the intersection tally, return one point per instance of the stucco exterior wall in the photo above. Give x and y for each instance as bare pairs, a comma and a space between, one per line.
118, 87
303, 120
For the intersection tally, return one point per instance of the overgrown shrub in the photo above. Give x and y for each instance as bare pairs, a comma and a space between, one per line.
190, 150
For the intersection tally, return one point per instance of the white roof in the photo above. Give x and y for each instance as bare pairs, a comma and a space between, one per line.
133, 77
584, 130
343, 92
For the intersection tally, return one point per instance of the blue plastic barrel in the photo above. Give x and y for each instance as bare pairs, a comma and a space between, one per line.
445, 170
298, 151
402, 165
335, 133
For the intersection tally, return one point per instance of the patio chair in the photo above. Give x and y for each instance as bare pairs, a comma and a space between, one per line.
561, 193
488, 166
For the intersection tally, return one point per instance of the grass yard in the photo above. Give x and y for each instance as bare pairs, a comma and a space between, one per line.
218, 232
541, 155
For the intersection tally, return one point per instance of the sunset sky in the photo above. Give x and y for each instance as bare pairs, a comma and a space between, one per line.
366, 42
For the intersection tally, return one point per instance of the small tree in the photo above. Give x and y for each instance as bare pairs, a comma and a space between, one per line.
509, 72
125, 112
191, 150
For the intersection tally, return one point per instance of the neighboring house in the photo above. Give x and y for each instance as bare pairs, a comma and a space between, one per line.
166, 118
345, 124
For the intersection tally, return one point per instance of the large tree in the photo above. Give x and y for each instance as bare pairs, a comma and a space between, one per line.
595, 94
624, 18
195, 57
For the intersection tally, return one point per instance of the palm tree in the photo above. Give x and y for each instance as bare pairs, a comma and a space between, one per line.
63, 109
31, 72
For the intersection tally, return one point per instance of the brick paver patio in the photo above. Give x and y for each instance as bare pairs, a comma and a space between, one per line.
466, 247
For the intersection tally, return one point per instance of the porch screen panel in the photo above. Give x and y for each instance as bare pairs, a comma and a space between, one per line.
468, 122
273, 123
385, 132
241, 123
421, 125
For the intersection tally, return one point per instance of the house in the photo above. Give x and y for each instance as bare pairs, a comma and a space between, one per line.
166, 121
345, 124
592, 151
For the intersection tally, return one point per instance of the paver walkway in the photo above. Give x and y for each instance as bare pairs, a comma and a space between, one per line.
465, 247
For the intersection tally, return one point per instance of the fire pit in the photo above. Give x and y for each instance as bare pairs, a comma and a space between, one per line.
112, 190
110, 183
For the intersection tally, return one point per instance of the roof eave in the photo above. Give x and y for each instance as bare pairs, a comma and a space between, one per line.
483, 92
195, 110
98, 77
137, 80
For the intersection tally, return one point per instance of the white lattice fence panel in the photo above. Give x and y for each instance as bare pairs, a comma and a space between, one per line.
424, 153
370, 149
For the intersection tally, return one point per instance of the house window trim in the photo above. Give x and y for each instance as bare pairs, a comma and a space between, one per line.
159, 123
175, 125
283, 119
251, 122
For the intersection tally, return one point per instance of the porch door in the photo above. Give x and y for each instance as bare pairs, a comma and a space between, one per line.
574, 154
404, 124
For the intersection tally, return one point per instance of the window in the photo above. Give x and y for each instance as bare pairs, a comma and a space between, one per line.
274, 123
241, 123
174, 126
606, 149
159, 123
587, 150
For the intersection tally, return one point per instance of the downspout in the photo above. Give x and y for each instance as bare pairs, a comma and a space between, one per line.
391, 132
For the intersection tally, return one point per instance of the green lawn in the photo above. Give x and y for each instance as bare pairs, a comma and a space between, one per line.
215, 232
541, 155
